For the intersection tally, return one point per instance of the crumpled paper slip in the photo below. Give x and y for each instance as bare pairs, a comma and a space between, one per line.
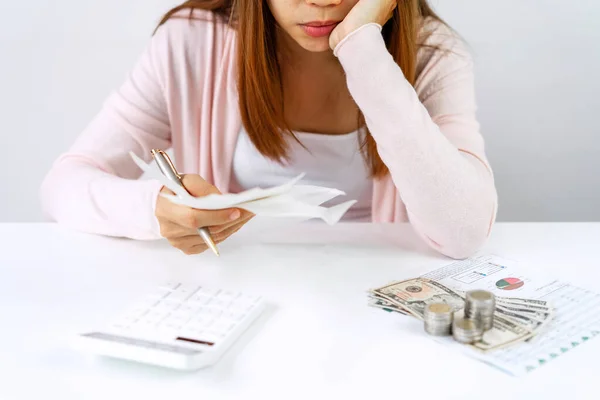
283, 205
288, 200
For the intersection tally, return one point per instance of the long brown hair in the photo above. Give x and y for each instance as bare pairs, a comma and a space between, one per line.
259, 80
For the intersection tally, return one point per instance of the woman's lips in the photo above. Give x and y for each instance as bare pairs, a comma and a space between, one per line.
319, 29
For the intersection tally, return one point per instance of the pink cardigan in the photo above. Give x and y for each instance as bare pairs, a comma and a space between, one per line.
182, 93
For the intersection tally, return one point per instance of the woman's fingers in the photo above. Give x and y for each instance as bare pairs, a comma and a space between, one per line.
200, 248
221, 236
244, 217
171, 230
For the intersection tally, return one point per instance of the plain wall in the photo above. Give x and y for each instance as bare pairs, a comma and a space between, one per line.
537, 77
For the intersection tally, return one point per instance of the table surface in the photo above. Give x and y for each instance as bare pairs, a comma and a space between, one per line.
317, 339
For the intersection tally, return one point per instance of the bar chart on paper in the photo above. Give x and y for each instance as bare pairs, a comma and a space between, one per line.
479, 272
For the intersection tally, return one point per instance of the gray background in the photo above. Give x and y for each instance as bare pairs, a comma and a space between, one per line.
537, 71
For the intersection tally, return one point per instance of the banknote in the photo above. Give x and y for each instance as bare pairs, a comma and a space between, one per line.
523, 308
527, 321
413, 295
515, 300
536, 314
386, 305
504, 333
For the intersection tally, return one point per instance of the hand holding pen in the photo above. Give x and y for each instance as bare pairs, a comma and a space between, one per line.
190, 230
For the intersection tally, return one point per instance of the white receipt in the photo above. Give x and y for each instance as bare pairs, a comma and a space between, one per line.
289, 200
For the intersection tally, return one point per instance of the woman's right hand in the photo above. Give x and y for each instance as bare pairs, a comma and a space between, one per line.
179, 224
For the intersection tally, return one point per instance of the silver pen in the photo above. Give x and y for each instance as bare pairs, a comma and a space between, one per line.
168, 169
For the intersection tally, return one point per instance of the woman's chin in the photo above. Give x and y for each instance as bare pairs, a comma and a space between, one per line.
315, 45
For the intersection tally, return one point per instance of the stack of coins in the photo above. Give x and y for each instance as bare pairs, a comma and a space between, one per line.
438, 319
466, 331
480, 306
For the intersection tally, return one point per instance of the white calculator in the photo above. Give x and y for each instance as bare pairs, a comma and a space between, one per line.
185, 327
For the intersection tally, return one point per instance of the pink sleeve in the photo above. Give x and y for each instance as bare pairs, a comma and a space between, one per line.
431, 145
93, 187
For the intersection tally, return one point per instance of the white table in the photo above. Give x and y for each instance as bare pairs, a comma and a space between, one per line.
317, 340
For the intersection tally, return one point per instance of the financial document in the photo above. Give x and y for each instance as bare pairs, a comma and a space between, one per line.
290, 200
576, 310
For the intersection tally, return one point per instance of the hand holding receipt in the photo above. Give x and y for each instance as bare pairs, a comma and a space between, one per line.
226, 213
168, 169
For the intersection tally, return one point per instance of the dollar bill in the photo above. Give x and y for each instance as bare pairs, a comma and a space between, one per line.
536, 314
414, 295
515, 300
527, 321
386, 305
524, 308
504, 333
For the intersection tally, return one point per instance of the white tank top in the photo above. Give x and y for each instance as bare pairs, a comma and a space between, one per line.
333, 161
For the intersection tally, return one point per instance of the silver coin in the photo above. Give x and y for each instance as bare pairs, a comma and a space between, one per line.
466, 330
438, 311
438, 319
487, 323
480, 300
480, 297
480, 306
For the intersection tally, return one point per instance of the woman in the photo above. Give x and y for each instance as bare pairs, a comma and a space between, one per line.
373, 97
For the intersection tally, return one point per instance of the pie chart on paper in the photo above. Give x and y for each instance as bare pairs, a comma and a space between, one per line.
509, 283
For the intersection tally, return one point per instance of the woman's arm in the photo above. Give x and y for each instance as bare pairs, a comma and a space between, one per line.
93, 187
432, 146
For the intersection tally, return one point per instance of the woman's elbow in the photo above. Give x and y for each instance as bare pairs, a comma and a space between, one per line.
467, 239
463, 248
47, 195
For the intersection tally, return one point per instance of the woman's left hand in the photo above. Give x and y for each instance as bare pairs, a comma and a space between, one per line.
364, 12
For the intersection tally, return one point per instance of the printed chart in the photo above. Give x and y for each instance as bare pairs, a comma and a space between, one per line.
479, 272
509, 283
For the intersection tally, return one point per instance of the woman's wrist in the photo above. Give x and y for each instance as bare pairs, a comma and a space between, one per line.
363, 13
349, 36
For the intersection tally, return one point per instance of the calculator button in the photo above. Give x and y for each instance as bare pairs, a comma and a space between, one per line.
249, 298
212, 311
234, 316
215, 334
169, 286
165, 307
176, 318
177, 297
203, 321
149, 320
193, 327
200, 299
144, 325
220, 303
241, 308
222, 326
170, 326
226, 296
166, 329
184, 310
157, 314
120, 326
208, 291
143, 305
